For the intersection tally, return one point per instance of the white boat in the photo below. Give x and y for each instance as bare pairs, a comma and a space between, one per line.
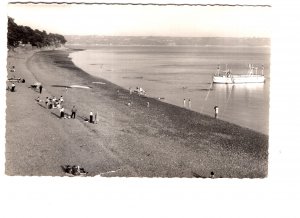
228, 78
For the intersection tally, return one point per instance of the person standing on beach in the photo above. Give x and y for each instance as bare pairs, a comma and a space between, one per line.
216, 111
183, 102
59, 105
50, 104
190, 103
74, 110
91, 117
13, 69
41, 89
61, 99
54, 102
46, 101
62, 112
13, 86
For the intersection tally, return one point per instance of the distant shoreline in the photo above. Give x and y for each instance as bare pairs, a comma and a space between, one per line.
167, 41
75, 46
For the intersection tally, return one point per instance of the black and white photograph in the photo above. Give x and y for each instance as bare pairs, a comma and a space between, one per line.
166, 93
184, 93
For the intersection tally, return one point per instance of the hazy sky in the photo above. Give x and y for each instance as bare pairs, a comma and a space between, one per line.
193, 21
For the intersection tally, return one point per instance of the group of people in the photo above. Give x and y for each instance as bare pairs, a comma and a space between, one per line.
189, 103
75, 170
13, 79
138, 90
216, 108
12, 69
53, 102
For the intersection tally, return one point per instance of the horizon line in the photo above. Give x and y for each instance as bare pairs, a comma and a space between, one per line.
171, 36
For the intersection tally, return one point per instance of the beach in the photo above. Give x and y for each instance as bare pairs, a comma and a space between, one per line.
134, 140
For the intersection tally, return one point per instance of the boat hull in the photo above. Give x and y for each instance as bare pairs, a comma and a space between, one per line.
236, 79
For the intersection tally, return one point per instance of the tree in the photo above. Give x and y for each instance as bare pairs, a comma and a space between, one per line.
23, 34
13, 33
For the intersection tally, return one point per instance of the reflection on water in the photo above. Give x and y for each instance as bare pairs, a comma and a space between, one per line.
245, 104
177, 73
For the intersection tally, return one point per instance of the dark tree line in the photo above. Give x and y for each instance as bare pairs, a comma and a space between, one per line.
17, 35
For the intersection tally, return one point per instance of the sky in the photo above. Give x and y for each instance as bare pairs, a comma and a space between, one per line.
128, 20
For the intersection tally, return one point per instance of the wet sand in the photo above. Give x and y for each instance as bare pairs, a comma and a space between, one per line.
162, 140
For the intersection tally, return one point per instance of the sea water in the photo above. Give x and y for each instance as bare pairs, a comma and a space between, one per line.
175, 73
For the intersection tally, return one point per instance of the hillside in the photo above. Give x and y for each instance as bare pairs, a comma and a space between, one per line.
163, 40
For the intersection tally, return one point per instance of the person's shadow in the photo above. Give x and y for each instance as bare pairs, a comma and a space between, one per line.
42, 105
55, 114
83, 118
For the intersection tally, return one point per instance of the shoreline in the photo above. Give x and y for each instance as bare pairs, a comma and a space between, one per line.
71, 50
163, 140
239, 94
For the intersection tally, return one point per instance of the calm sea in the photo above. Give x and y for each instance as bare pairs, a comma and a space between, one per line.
174, 73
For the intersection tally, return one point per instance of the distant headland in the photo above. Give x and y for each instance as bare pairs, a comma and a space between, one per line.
165, 40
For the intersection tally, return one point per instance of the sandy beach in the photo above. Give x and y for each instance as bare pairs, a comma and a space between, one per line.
161, 140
